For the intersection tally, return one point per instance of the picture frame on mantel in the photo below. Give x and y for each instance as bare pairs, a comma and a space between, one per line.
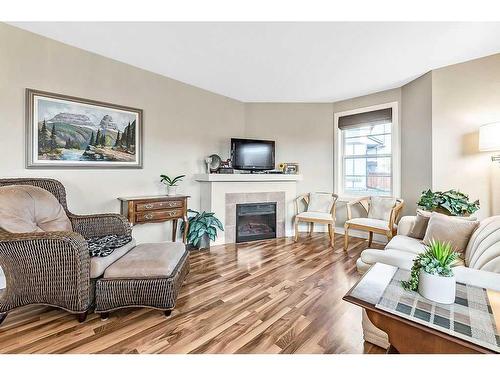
69, 132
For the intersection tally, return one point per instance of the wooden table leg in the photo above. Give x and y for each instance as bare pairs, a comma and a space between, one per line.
174, 230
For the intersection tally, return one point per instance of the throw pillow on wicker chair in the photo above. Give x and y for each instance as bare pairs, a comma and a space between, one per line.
27, 208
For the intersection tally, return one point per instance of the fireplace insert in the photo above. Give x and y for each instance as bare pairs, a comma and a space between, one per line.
255, 221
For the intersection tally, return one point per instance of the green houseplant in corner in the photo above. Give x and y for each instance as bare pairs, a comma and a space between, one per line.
202, 229
432, 275
171, 183
451, 202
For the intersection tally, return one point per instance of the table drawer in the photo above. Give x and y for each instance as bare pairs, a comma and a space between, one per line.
144, 217
158, 205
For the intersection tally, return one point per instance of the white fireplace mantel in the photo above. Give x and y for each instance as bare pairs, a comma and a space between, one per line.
246, 177
215, 189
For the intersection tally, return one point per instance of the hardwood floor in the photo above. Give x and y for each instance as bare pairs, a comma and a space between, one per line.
273, 296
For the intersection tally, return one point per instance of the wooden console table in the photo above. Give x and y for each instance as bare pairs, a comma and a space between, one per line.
157, 209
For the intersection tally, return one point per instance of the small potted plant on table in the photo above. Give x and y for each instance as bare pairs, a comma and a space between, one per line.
202, 229
171, 183
432, 275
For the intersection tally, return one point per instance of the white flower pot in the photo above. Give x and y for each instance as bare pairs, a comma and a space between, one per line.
439, 289
171, 190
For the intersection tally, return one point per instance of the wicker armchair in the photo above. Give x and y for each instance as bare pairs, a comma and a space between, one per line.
53, 268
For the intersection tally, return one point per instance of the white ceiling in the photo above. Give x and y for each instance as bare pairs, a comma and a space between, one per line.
282, 62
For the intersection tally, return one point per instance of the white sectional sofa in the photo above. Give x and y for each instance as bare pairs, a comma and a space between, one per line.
481, 264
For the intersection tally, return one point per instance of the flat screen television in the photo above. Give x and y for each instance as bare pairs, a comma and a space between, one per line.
252, 154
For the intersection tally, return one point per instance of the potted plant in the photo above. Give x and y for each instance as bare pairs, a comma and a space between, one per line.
202, 228
171, 183
432, 274
451, 202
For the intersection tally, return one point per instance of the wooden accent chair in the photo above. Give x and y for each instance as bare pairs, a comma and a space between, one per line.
317, 212
53, 268
381, 218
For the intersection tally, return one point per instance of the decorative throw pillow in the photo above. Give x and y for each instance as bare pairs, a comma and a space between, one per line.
320, 202
105, 245
381, 207
27, 208
420, 225
422, 220
450, 229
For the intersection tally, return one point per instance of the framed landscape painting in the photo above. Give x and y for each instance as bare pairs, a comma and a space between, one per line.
68, 132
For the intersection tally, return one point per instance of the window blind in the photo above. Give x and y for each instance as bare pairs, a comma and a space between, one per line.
381, 116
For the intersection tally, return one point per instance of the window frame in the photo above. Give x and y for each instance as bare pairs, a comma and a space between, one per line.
338, 141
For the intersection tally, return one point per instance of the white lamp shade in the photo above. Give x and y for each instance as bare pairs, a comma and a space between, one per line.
489, 137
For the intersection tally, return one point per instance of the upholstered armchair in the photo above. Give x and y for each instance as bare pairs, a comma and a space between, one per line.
53, 267
320, 209
382, 216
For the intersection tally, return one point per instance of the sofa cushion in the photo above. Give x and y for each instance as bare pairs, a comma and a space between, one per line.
367, 222
148, 260
450, 229
407, 244
320, 202
99, 264
381, 208
27, 208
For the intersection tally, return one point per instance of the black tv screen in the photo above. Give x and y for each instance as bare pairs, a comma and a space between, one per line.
252, 154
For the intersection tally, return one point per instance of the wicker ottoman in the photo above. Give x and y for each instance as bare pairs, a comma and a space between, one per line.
149, 275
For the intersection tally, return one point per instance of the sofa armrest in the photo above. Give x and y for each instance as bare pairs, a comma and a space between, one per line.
406, 224
100, 225
397, 258
50, 268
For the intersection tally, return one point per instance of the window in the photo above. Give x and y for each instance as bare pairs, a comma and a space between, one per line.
365, 157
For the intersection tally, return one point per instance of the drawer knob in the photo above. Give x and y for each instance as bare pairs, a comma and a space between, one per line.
149, 205
148, 216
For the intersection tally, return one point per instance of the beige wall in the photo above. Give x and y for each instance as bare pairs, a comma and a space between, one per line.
182, 124
465, 96
416, 140
303, 134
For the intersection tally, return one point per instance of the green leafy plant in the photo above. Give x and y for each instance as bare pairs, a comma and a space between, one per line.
201, 224
451, 202
171, 181
436, 260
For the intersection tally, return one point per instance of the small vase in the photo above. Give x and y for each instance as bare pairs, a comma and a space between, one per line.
437, 288
171, 190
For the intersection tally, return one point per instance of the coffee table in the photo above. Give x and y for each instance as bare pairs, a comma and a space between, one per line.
417, 325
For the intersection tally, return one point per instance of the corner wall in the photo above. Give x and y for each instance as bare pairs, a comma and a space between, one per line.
416, 140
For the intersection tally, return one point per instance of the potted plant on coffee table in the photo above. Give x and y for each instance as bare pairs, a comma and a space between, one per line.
171, 183
202, 229
432, 274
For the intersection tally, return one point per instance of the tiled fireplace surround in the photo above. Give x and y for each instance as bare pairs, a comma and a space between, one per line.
232, 199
